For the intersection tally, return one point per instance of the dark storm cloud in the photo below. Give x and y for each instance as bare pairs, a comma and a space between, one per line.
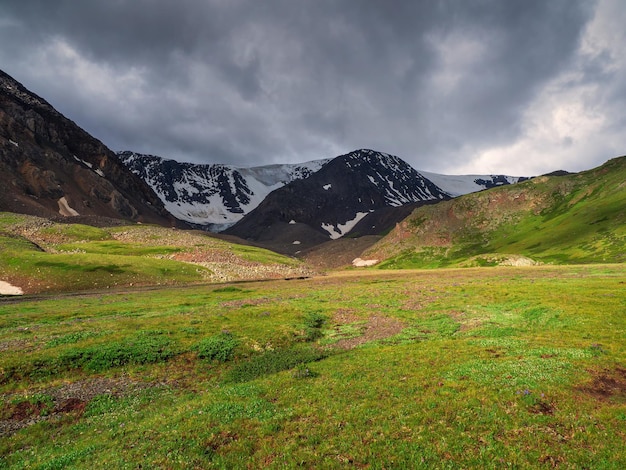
256, 82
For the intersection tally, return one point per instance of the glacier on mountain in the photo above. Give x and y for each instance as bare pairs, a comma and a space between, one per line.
212, 195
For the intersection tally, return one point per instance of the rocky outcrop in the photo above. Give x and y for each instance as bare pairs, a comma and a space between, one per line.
50, 166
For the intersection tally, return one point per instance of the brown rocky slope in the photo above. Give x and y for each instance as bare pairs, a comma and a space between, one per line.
49, 166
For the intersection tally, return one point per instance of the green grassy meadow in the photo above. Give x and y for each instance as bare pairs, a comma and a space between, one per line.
41, 256
500, 367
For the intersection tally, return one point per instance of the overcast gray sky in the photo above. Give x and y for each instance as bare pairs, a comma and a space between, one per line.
520, 87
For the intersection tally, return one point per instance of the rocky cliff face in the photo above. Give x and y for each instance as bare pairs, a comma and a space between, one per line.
49, 166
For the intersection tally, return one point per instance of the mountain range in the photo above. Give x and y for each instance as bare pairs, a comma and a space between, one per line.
140, 342
330, 196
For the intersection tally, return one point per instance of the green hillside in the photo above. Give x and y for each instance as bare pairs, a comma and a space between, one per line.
38, 255
578, 218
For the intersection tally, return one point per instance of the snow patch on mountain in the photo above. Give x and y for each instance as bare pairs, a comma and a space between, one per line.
97, 171
339, 230
9, 289
363, 263
65, 209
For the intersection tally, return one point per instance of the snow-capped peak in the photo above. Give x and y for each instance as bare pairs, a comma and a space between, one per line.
213, 195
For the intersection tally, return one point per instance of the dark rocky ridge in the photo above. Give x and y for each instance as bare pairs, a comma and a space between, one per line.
45, 157
350, 186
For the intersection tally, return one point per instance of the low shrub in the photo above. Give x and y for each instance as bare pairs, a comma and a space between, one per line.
314, 319
73, 338
101, 404
313, 322
271, 362
219, 347
227, 289
140, 350
302, 371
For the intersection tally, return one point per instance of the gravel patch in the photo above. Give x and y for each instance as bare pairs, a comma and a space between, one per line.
376, 328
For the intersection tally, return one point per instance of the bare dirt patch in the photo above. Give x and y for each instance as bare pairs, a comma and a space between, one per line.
254, 302
246, 302
376, 328
23, 410
71, 405
219, 440
67, 398
462, 319
13, 344
344, 316
606, 384
541, 407
419, 299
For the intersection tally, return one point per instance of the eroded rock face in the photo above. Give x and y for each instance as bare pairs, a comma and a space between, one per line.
40, 183
45, 157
